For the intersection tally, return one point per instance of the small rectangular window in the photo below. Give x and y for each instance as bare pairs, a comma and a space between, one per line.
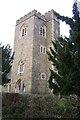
43, 76
41, 49
44, 50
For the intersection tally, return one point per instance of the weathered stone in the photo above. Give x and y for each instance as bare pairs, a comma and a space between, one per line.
27, 50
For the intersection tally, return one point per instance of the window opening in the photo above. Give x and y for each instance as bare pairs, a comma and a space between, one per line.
23, 32
43, 76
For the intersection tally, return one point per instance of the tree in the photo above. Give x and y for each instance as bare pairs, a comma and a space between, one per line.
7, 59
66, 58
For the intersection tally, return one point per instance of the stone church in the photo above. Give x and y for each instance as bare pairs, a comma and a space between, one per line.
33, 35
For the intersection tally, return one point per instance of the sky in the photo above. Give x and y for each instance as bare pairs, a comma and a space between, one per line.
11, 10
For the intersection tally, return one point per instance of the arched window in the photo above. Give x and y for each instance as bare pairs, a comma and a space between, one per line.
42, 31
23, 30
21, 67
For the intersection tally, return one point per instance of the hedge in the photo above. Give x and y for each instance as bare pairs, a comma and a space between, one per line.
39, 106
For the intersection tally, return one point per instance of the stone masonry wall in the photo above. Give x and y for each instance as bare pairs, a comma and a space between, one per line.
27, 49
23, 48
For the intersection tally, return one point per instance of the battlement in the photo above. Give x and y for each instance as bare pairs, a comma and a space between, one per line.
50, 15
50, 11
30, 14
45, 17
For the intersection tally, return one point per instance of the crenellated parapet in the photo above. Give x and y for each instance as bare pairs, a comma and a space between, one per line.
30, 14
50, 15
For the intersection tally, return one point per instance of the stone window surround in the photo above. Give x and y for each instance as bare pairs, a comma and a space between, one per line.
43, 76
23, 31
42, 31
42, 49
21, 68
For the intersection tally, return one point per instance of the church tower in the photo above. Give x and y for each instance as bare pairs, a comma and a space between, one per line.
33, 35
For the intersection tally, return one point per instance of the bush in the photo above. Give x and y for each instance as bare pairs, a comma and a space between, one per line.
38, 106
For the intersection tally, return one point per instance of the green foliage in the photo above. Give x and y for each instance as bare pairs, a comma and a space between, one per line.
7, 59
38, 106
66, 107
65, 58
